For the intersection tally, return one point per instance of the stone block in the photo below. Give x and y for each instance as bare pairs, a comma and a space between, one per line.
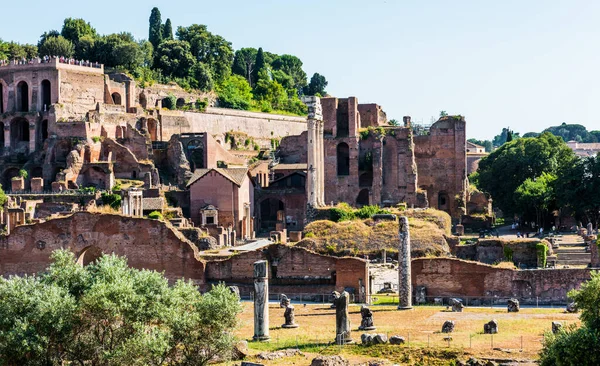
37, 185
448, 326
17, 184
397, 340
513, 306
329, 361
556, 327
460, 230
491, 327
295, 236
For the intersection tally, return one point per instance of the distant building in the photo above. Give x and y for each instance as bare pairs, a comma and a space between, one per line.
474, 154
584, 149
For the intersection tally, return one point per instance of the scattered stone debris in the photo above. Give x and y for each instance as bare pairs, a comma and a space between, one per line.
367, 319
329, 361
491, 327
240, 351
397, 340
448, 326
270, 356
370, 339
572, 307
556, 327
457, 306
513, 306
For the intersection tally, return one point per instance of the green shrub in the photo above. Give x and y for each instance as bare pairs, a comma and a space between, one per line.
112, 199
23, 174
96, 139
542, 253
366, 212
170, 102
155, 215
508, 253
576, 347
309, 234
201, 104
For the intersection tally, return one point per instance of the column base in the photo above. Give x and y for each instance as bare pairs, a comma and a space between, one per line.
262, 338
289, 326
405, 307
367, 328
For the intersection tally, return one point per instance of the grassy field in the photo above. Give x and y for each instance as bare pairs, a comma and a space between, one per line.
519, 336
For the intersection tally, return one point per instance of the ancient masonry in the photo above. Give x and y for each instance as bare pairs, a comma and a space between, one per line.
261, 302
315, 167
404, 266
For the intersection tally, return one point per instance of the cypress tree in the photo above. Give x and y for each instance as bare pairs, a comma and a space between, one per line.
155, 30
167, 30
258, 64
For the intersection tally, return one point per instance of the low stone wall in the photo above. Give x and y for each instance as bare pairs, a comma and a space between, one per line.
444, 277
522, 253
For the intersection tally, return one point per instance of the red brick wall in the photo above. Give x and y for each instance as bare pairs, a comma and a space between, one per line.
453, 277
147, 244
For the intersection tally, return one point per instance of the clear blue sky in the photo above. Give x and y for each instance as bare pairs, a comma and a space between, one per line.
523, 64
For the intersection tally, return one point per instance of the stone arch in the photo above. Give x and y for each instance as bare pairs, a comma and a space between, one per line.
343, 159
116, 97
143, 100
153, 129
46, 95
363, 198
7, 177
269, 207
180, 102
365, 179
195, 154
89, 255
42, 131
22, 97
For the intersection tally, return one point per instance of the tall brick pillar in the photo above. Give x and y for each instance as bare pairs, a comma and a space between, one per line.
31, 137
6, 138
377, 171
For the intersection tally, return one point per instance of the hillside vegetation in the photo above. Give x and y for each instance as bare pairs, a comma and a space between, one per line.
428, 231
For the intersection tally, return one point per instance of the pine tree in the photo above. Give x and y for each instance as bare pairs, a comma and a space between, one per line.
167, 30
155, 30
259, 64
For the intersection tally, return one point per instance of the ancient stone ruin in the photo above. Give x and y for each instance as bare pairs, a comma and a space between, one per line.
343, 334
261, 302
513, 306
367, 319
290, 318
448, 326
490, 327
404, 266
457, 305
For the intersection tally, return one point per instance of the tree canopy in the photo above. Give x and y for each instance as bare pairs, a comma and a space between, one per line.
107, 313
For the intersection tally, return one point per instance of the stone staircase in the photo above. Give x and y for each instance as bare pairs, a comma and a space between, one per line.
571, 251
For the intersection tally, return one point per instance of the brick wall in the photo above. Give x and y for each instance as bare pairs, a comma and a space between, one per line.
455, 278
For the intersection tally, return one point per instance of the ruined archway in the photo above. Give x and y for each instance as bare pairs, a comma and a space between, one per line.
153, 129
195, 154
46, 95
37, 172
19, 134
89, 255
363, 198
22, 97
343, 159
268, 213
42, 132
7, 177
143, 100
116, 97
180, 103
443, 201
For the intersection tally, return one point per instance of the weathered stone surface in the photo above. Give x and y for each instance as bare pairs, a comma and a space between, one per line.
572, 307
342, 320
397, 340
421, 295
329, 361
235, 290
367, 319
404, 265
457, 306
246, 363
556, 327
270, 356
513, 306
261, 301
366, 338
240, 351
448, 326
380, 339
491, 327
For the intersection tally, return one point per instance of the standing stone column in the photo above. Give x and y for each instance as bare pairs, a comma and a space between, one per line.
32, 135
261, 302
315, 164
311, 182
321, 159
404, 284
6, 138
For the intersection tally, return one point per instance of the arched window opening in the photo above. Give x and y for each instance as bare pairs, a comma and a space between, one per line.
365, 179
180, 102
443, 201
46, 95
268, 213
116, 97
22, 97
363, 198
343, 159
143, 101
153, 129
19, 131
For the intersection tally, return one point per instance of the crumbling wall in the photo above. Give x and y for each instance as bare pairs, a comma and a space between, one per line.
147, 244
444, 277
521, 252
